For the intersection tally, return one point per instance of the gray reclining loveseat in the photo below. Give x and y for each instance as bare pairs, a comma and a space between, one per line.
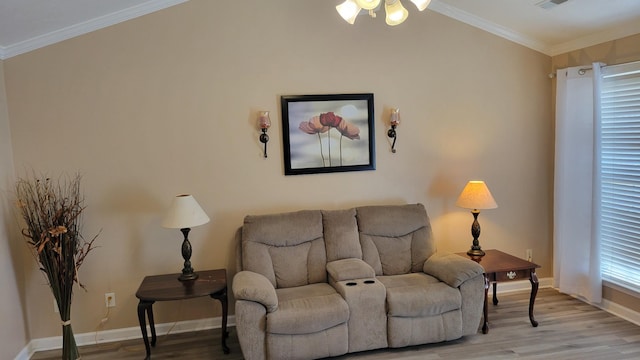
316, 283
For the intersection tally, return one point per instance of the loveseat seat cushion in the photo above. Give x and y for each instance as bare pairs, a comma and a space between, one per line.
417, 295
307, 309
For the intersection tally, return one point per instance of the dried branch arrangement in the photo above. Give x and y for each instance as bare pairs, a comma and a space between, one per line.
52, 211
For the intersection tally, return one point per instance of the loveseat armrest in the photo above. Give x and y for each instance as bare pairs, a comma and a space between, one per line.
349, 269
251, 286
452, 269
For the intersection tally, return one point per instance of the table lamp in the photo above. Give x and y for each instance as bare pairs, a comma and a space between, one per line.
476, 196
185, 213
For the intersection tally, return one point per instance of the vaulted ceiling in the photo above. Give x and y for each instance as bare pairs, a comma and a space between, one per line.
549, 26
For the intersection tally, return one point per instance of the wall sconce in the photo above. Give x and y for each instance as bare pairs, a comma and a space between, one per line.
394, 120
264, 122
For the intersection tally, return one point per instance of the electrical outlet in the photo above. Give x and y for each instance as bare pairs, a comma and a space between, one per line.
529, 255
110, 299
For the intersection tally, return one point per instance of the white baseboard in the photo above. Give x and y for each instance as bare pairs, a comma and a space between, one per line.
620, 311
107, 336
24, 354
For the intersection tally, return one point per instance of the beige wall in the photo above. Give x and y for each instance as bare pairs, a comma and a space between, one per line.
13, 335
167, 103
613, 52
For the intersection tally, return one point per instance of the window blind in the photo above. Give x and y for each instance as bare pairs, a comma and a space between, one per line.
620, 175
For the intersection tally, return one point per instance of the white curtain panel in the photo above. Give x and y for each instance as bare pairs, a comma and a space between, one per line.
576, 265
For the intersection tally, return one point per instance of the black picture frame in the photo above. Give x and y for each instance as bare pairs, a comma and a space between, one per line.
328, 133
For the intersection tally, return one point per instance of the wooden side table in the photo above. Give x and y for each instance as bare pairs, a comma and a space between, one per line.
499, 266
167, 287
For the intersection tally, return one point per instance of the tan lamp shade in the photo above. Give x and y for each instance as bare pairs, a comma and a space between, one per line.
476, 195
184, 212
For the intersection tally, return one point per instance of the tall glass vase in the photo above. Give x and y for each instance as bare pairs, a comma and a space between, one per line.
69, 347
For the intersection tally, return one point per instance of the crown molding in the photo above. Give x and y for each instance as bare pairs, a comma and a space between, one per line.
488, 26
86, 27
594, 39
519, 38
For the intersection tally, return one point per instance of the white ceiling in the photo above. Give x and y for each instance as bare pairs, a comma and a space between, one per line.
572, 25
26, 25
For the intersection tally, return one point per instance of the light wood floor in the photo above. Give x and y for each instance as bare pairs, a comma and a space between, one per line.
569, 329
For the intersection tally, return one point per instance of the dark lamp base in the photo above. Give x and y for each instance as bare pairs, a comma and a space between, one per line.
188, 277
475, 252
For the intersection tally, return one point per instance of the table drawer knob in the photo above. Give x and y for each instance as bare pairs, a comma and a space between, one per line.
511, 275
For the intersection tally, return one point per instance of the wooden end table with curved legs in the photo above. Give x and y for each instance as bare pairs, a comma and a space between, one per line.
167, 287
499, 266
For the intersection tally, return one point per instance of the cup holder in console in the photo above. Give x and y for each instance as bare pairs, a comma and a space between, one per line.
369, 281
351, 283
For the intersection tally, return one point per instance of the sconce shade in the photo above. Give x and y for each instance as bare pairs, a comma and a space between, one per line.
184, 212
263, 120
421, 4
395, 117
476, 195
396, 13
349, 10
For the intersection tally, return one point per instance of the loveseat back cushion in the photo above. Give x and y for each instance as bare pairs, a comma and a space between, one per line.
395, 239
288, 248
341, 234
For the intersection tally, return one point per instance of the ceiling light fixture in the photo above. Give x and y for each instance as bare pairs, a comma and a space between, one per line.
395, 13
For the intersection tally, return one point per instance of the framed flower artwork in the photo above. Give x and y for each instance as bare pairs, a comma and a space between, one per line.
327, 133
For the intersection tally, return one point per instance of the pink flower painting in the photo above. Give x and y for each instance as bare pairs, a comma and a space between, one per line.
322, 124
328, 133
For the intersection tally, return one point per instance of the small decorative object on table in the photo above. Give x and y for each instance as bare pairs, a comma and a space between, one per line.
52, 212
